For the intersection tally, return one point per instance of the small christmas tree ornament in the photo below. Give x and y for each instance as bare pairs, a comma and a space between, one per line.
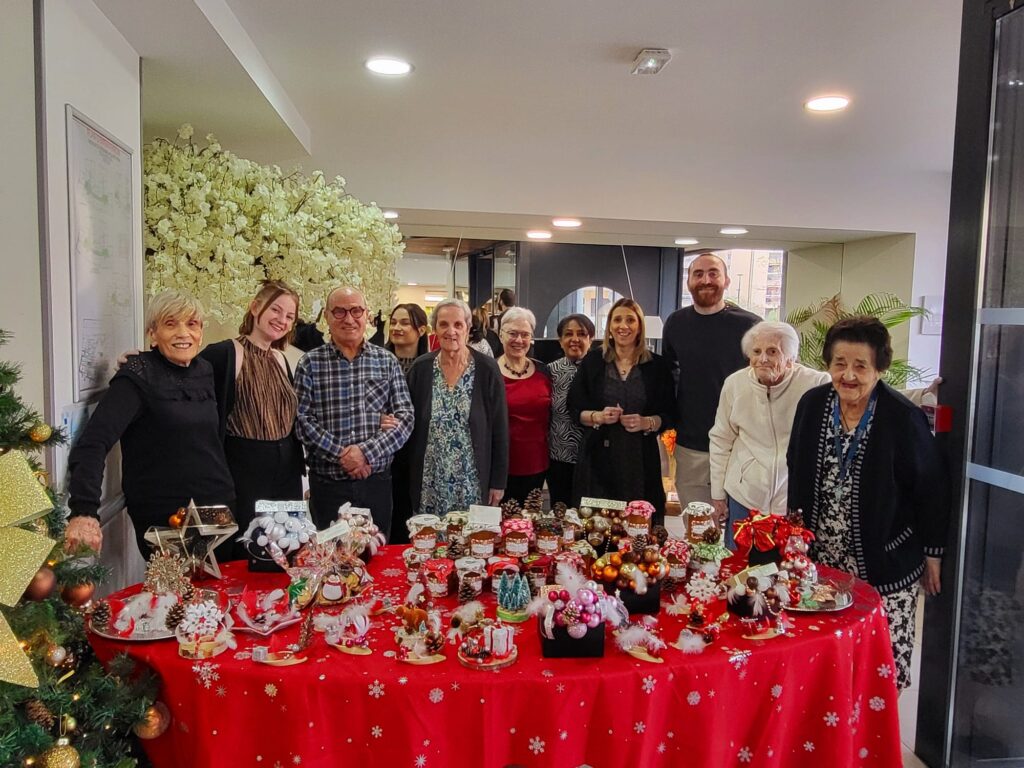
68, 723
100, 616
174, 616
39, 714
56, 654
40, 433
42, 584
77, 595
62, 755
513, 597
154, 722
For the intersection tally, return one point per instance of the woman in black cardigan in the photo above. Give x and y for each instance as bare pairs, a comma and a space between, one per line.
471, 386
867, 475
625, 392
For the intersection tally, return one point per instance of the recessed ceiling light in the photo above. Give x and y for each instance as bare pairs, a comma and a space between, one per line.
567, 223
650, 61
538, 234
387, 65
733, 231
390, 214
687, 241
412, 283
827, 103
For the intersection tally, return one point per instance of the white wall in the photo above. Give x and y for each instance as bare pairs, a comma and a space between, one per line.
88, 64
20, 298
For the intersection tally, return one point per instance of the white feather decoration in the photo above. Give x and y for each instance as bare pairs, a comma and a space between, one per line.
690, 642
571, 579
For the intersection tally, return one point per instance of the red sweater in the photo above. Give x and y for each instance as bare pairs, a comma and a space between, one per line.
529, 414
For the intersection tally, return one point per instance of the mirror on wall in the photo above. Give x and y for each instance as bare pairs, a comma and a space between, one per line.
594, 301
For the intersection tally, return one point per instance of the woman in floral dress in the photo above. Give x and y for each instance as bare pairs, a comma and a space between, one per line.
865, 471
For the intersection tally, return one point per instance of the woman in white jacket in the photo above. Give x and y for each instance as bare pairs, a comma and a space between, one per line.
751, 431
755, 416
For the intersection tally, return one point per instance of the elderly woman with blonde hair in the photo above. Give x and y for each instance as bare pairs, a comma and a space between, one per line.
162, 407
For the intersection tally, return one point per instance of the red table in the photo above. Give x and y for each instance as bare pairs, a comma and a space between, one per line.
825, 695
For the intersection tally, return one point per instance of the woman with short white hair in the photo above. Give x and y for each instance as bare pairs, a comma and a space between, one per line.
752, 426
528, 392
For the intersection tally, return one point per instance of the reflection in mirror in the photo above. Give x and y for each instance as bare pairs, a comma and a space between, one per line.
591, 300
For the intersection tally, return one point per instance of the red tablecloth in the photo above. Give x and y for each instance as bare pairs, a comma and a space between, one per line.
825, 695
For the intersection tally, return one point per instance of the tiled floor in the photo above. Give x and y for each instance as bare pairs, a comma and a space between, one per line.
908, 700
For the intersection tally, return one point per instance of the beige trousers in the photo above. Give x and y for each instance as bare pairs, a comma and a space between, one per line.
693, 476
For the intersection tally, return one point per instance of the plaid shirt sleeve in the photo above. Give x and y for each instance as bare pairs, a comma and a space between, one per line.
380, 447
313, 434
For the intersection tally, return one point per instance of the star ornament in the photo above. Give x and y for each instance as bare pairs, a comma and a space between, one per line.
205, 529
22, 499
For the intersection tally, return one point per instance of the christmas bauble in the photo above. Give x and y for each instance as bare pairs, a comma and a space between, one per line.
40, 433
154, 722
63, 755
177, 519
68, 723
55, 655
78, 595
42, 584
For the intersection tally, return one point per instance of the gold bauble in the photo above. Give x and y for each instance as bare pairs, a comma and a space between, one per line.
40, 433
154, 722
63, 755
78, 595
68, 723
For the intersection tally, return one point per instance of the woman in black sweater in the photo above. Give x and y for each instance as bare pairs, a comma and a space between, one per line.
161, 405
867, 475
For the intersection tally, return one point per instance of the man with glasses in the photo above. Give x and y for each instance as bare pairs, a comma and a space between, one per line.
348, 392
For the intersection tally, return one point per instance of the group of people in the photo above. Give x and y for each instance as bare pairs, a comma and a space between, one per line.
403, 430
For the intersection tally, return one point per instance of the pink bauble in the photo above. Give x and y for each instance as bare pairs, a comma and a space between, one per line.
563, 594
586, 596
576, 631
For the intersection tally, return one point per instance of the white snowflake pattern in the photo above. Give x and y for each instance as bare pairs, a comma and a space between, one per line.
421, 760
403, 680
560, 687
222, 691
537, 745
711, 693
884, 670
877, 703
392, 573
648, 684
662, 747
639, 726
742, 674
693, 698
808, 746
270, 689
863, 753
297, 759
436, 695
547, 673
744, 755
776, 691
376, 731
855, 714
206, 673
702, 588
563, 735
376, 689
831, 719
455, 685
839, 633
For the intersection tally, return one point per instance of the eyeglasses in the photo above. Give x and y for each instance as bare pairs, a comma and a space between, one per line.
524, 335
340, 313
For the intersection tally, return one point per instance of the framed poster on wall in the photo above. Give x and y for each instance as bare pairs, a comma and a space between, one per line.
101, 239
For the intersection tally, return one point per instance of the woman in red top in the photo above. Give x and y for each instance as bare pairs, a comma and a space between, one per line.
528, 391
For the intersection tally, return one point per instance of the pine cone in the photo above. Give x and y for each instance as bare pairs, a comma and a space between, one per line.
174, 616
188, 592
510, 509
660, 534
559, 509
456, 549
39, 714
466, 591
534, 501
641, 542
101, 615
669, 585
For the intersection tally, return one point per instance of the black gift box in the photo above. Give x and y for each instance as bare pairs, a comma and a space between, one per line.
260, 561
591, 645
649, 602
757, 557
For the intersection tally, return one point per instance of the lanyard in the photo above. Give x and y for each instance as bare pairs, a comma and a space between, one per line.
846, 459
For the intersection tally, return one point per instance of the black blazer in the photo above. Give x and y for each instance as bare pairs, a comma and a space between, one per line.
587, 394
488, 423
901, 496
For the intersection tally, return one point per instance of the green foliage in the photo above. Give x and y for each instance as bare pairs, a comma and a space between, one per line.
812, 323
105, 702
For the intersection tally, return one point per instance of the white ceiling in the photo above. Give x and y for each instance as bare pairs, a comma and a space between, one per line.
517, 111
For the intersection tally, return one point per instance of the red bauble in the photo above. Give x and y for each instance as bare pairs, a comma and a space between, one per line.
78, 595
42, 584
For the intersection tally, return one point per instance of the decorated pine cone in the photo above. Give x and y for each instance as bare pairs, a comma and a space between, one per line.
174, 616
39, 714
641, 542
559, 509
101, 614
456, 549
659, 533
188, 592
711, 536
466, 591
534, 501
571, 613
510, 508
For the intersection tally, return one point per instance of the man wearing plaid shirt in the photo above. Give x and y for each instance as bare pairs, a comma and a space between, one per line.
354, 414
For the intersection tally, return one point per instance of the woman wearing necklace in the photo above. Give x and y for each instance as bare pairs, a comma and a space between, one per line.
407, 334
459, 453
256, 403
625, 393
867, 475
528, 392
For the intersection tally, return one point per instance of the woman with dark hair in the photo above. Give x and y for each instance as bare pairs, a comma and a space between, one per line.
479, 333
626, 394
575, 334
257, 404
407, 334
867, 475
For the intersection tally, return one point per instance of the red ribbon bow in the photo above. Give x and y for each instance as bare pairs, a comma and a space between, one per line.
758, 530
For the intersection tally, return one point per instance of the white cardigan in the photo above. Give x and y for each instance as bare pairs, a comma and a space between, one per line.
751, 435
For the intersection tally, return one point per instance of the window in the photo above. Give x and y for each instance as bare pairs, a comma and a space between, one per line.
756, 280
593, 301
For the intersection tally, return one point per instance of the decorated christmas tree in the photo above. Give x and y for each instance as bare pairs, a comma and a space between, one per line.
58, 705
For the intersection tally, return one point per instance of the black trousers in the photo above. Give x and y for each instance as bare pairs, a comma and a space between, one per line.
560, 482
518, 487
373, 493
262, 469
147, 515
